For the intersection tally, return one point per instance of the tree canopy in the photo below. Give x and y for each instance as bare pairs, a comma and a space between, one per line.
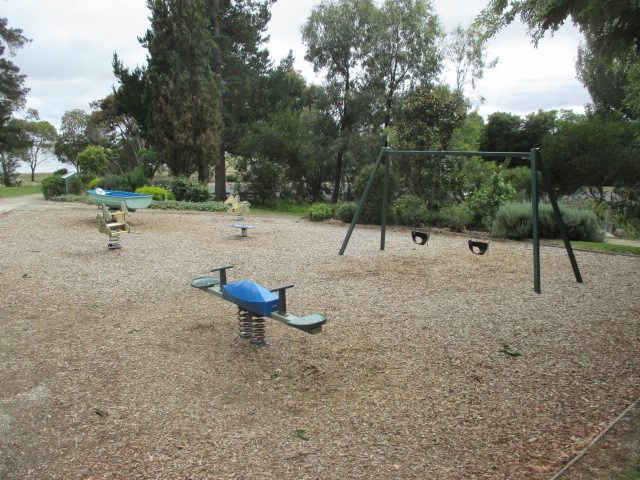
615, 25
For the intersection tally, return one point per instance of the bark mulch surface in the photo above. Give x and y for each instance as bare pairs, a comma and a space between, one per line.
435, 363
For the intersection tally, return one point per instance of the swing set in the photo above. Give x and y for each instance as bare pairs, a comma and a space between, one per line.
536, 162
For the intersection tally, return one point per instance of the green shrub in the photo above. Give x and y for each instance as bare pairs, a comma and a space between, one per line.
319, 212
410, 210
72, 198
158, 193
93, 184
199, 206
127, 182
344, 211
456, 217
62, 171
52, 186
514, 221
185, 190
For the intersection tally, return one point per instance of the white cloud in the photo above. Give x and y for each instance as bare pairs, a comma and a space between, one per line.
68, 64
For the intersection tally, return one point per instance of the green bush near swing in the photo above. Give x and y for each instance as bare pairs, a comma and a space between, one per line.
513, 221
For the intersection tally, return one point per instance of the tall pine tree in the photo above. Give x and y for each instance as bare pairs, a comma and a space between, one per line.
183, 91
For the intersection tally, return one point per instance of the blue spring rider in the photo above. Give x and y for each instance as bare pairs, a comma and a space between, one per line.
255, 302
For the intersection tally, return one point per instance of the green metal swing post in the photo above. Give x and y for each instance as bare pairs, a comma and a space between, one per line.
556, 211
356, 215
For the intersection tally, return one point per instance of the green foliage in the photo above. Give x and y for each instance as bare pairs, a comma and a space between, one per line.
428, 118
13, 91
93, 159
9, 170
93, 184
127, 182
183, 90
485, 202
613, 24
62, 171
158, 193
72, 139
198, 206
184, 190
319, 212
514, 221
72, 197
344, 211
371, 212
262, 178
410, 210
52, 186
457, 217
593, 154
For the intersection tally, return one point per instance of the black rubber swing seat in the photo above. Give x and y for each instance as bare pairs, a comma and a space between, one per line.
479, 248
419, 237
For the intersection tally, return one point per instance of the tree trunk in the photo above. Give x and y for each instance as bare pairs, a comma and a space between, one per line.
344, 132
221, 165
203, 173
221, 181
336, 181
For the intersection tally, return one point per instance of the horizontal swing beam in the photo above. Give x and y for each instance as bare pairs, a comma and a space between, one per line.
440, 153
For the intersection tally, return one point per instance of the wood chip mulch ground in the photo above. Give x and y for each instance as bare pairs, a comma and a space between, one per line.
435, 363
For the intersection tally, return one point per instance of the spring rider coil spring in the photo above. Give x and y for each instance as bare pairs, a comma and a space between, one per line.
245, 319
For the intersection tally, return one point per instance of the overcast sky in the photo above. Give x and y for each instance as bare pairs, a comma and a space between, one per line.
68, 63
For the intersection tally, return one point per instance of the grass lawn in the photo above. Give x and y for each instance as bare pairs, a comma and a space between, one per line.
605, 247
17, 191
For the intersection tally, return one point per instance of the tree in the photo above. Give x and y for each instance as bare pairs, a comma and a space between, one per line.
12, 90
615, 25
609, 81
72, 139
183, 91
428, 119
503, 133
466, 50
592, 154
238, 62
13, 139
338, 37
122, 131
41, 137
404, 49
93, 159
12, 98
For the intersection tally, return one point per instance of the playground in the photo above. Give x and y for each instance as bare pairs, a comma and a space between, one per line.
434, 363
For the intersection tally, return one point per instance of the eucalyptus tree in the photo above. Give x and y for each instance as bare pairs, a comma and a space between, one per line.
404, 50
339, 38
72, 138
182, 92
466, 50
41, 137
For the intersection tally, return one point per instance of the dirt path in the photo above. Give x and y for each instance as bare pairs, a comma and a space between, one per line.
32, 202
